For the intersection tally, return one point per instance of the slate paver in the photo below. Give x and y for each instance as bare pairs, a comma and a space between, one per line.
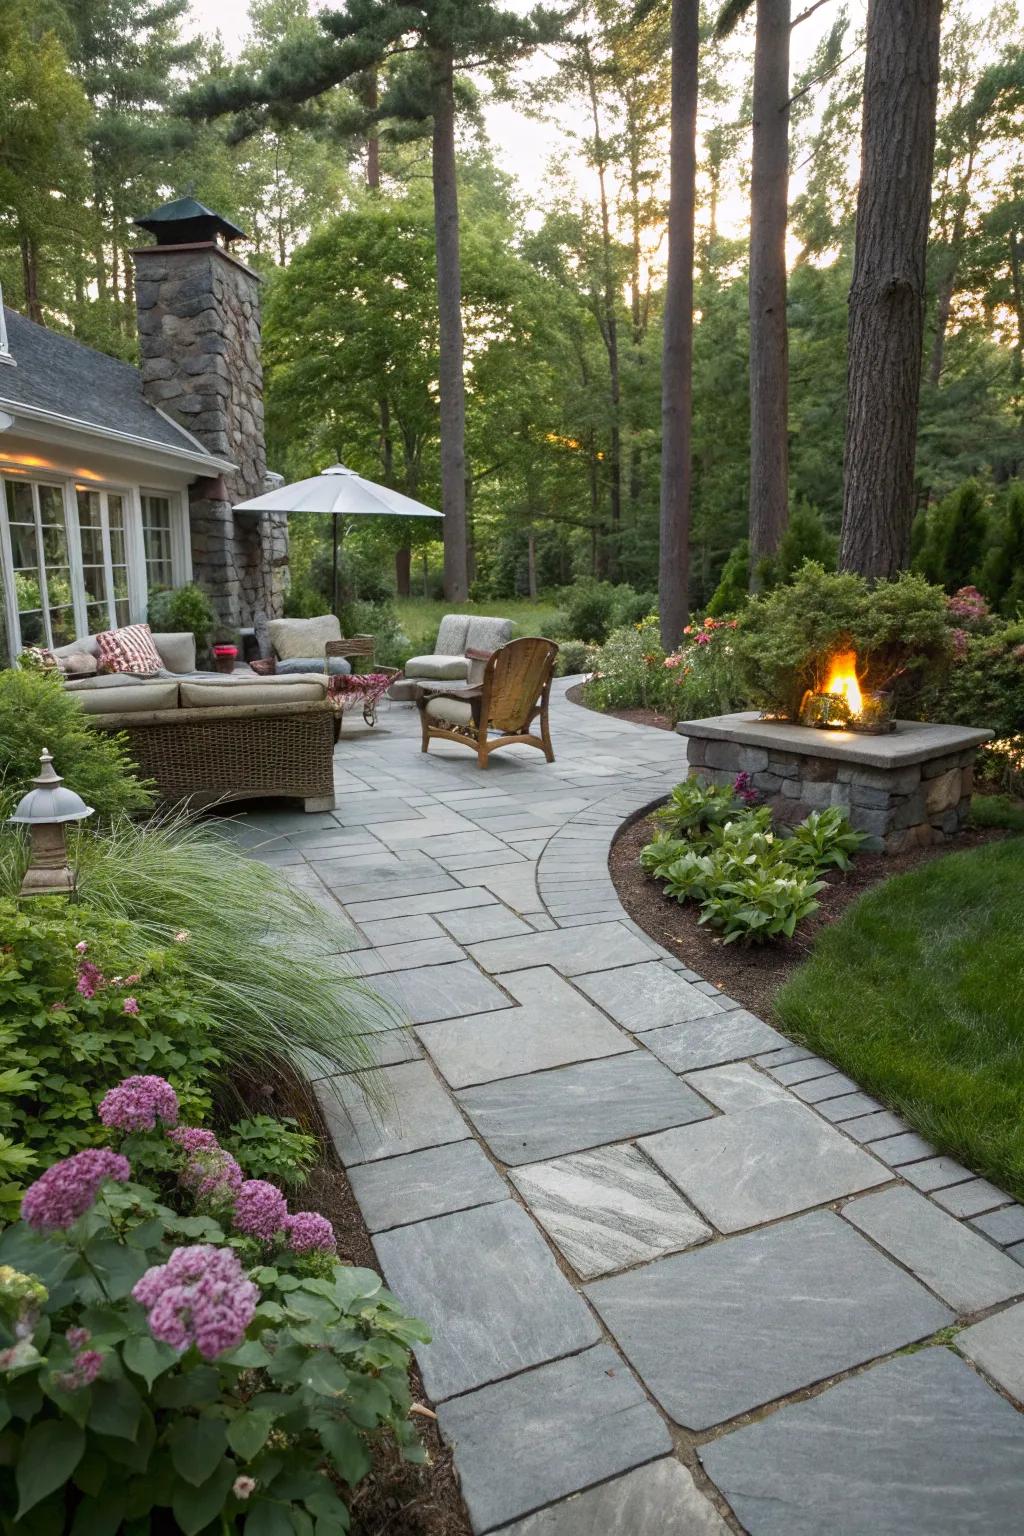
400, 930
660, 1499
412, 955
878, 1127
473, 924
451, 900
721, 1330
487, 1286
800, 1068
736, 1085
528, 1119
759, 1164
608, 1208
646, 996
441, 991
907, 1148
419, 1185
834, 1086
571, 951
706, 1042
549, 1432
971, 1199
916, 1446
1004, 1226
956, 1263
848, 1106
415, 1112
552, 1027
997, 1345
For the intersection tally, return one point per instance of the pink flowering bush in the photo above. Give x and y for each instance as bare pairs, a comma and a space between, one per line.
967, 608
69, 1188
200, 1296
137, 1103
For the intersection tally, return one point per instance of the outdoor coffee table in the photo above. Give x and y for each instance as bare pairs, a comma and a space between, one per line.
360, 690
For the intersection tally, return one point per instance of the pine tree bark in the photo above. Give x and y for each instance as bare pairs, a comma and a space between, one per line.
769, 348
449, 306
609, 326
30, 277
886, 324
677, 355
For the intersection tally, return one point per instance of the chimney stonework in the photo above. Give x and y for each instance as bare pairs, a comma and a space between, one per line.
199, 331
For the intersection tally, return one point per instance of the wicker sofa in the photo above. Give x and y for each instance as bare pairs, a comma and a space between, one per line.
206, 738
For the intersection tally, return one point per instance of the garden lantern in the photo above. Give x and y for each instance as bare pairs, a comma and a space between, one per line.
46, 811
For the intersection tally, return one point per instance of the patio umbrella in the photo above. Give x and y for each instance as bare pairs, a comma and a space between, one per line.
339, 492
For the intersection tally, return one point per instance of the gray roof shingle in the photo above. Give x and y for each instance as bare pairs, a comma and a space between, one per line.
57, 373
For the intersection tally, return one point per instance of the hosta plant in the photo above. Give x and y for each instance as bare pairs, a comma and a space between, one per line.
761, 903
824, 840
694, 806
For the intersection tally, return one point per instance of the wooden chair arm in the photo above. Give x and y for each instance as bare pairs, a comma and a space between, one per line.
425, 695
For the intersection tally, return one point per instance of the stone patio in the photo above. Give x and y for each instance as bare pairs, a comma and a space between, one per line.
668, 1258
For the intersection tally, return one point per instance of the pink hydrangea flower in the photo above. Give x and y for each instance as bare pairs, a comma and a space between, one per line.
130, 1005
260, 1209
67, 1190
81, 946
243, 1487
192, 1138
960, 642
87, 1365
200, 1296
211, 1174
90, 979
78, 1338
309, 1232
968, 604
137, 1103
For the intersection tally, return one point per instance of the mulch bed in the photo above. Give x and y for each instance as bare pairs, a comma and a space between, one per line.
636, 716
396, 1499
752, 973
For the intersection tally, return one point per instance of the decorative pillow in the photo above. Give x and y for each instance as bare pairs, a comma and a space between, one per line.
303, 637
80, 664
130, 649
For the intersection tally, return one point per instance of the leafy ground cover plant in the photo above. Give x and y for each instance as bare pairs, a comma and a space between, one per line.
628, 671
193, 1371
718, 849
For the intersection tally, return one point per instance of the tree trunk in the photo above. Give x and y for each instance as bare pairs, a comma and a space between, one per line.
886, 326
30, 278
531, 563
1017, 365
372, 137
449, 307
677, 357
403, 571
610, 331
769, 364
947, 282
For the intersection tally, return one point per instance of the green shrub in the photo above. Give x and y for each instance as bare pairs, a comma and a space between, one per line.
785, 639
632, 607
590, 610
985, 687
36, 711
733, 584
951, 542
805, 538
761, 903
130, 1414
273, 1149
703, 676
573, 657
628, 670
392, 646
183, 608
824, 840
693, 807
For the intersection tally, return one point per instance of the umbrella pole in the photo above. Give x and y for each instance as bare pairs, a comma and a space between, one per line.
334, 565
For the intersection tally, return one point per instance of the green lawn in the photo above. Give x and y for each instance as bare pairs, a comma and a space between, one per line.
997, 811
918, 993
420, 616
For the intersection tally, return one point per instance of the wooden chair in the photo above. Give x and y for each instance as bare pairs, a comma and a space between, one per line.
515, 691
362, 688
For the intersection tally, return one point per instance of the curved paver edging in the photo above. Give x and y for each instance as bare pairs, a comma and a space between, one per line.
609, 1189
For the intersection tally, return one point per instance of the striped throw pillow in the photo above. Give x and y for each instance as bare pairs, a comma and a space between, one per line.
130, 649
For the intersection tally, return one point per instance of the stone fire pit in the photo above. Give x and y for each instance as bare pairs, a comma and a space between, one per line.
907, 789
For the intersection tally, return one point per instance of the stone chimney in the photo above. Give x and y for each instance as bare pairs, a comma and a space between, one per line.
199, 330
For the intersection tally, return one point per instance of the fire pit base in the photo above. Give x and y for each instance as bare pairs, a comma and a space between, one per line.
907, 789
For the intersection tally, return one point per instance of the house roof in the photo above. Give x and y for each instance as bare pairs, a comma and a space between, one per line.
58, 378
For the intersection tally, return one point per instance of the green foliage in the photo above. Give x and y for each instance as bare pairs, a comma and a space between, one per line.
731, 593
589, 612
161, 1436
703, 677
824, 840
805, 538
951, 538
573, 656
760, 903
918, 993
628, 670
694, 807
392, 647
180, 609
56, 1044
278, 1150
37, 712
985, 686
997, 811
784, 640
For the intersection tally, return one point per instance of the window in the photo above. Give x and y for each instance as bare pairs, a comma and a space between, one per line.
41, 567
101, 532
156, 535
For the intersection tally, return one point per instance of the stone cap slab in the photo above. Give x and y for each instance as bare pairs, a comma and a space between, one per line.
913, 741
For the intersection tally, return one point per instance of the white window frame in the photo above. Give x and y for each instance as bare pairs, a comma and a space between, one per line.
135, 553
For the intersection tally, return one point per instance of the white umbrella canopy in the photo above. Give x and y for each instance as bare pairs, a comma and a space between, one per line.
339, 492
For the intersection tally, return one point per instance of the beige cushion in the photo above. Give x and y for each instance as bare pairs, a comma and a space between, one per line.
105, 682
451, 635
263, 690
177, 651
449, 711
487, 633
86, 644
80, 664
135, 695
441, 669
303, 637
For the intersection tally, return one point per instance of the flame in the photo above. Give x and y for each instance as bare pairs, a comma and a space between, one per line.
842, 679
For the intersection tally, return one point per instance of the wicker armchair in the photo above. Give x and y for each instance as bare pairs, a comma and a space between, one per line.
515, 692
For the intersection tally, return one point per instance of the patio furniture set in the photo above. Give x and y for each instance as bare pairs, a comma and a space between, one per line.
269, 729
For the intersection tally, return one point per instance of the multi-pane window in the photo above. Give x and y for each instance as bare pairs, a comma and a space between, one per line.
101, 532
156, 536
41, 566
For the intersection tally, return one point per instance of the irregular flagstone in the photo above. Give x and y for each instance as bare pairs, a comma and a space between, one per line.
552, 1027
416, 1112
705, 1042
736, 1085
409, 956
753, 1166
485, 1283
441, 991
608, 1209
549, 1432
721, 1330
917, 1446
526, 1119
571, 951
997, 1345
419, 1185
469, 926
660, 1499
450, 900
400, 930
956, 1263
643, 997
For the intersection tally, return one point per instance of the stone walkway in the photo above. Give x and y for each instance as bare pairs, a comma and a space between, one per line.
679, 1272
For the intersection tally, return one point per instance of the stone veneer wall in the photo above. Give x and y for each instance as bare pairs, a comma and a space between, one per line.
905, 807
199, 329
